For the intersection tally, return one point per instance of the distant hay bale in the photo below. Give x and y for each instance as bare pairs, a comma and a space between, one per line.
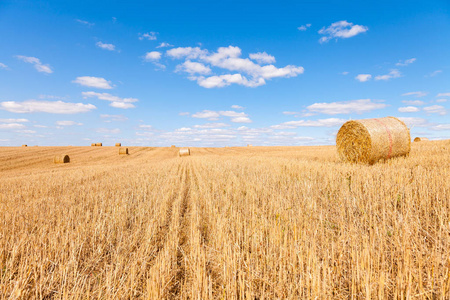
184, 152
421, 139
93, 145
118, 145
24, 145
173, 146
123, 151
61, 159
369, 140
98, 144
249, 145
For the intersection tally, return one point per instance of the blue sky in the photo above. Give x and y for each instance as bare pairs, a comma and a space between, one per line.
207, 73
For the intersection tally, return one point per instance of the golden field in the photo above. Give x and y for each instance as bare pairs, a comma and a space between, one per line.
223, 223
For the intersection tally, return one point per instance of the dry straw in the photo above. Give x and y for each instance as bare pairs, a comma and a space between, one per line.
93, 145
369, 140
24, 145
98, 144
421, 139
118, 145
184, 152
123, 151
61, 159
173, 146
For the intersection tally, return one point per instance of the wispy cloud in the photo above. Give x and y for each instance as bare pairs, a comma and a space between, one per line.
413, 102
345, 107
235, 117
394, 73
116, 118
67, 123
151, 36
52, 107
443, 95
437, 72
404, 63
116, 101
96, 82
435, 109
408, 109
164, 45
40, 67
304, 27
109, 47
3, 66
341, 30
416, 94
331, 122
85, 22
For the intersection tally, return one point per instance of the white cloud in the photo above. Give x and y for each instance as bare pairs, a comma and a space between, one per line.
3, 66
116, 101
207, 114
164, 45
153, 56
85, 22
413, 102
235, 117
110, 118
443, 95
440, 127
109, 47
186, 52
146, 127
331, 122
12, 126
37, 63
14, 121
193, 68
237, 107
403, 63
241, 120
416, 94
410, 121
344, 73
108, 131
363, 77
52, 107
394, 73
408, 109
67, 123
341, 29
262, 58
96, 82
151, 36
441, 100
212, 125
184, 113
304, 27
228, 79
432, 74
346, 107
435, 109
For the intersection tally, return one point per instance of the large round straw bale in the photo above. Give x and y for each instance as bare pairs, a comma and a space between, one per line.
123, 151
370, 140
421, 139
98, 144
118, 145
61, 159
24, 145
184, 152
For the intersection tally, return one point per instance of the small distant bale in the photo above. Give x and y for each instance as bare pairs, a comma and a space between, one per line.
93, 145
173, 146
24, 145
123, 151
369, 140
421, 139
98, 144
118, 145
184, 152
61, 159
249, 145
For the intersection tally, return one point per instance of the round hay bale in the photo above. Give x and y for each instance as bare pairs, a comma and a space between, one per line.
98, 144
184, 152
173, 146
118, 145
369, 140
61, 159
421, 139
123, 151
249, 145
24, 145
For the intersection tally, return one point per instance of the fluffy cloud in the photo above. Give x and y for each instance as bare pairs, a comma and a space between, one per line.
153, 56
331, 122
96, 82
104, 46
435, 109
193, 68
237, 107
3, 66
207, 114
248, 73
151, 36
416, 94
346, 107
164, 45
116, 101
443, 95
37, 63
408, 109
262, 58
14, 120
235, 117
212, 125
68, 123
12, 126
304, 27
441, 100
108, 131
341, 29
440, 127
410, 121
52, 107
109, 118
363, 77
403, 63
413, 102
394, 73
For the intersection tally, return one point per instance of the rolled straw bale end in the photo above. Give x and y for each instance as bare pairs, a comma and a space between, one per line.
98, 144
24, 145
421, 139
93, 145
184, 152
123, 151
61, 159
118, 145
370, 140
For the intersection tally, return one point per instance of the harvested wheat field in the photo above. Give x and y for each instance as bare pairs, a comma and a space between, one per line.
224, 223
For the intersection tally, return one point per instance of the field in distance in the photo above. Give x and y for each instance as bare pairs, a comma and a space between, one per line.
223, 223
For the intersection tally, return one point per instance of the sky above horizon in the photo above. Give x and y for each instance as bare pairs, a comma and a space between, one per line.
213, 74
